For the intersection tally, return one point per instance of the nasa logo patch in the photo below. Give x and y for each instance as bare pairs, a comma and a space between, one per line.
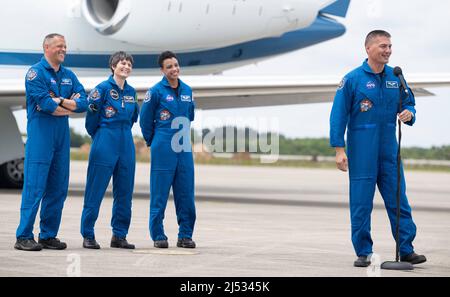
169, 98
370, 85
365, 105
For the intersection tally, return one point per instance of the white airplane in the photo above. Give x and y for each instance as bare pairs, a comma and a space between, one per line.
209, 36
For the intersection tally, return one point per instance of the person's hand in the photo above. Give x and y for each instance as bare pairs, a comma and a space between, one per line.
405, 116
341, 159
75, 96
56, 100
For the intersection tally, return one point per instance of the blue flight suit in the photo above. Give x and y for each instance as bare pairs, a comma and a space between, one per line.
367, 105
110, 117
172, 162
47, 151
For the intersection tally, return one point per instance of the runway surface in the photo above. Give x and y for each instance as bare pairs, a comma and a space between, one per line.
252, 221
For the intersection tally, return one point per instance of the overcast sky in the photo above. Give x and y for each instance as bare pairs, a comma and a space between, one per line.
421, 45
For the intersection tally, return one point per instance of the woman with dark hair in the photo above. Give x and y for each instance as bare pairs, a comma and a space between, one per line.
113, 109
166, 116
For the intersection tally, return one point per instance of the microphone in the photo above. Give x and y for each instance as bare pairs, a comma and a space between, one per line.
399, 73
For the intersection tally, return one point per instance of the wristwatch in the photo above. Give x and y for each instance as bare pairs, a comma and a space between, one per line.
61, 102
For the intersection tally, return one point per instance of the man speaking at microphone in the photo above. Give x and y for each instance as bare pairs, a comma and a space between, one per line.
367, 104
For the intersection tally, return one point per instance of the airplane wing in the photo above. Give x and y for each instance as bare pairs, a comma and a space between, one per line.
218, 92
210, 92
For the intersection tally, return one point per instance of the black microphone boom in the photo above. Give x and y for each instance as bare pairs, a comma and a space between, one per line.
399, 73
397, 264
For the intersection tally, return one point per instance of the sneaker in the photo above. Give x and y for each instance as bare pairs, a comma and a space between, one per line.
186, 243
52, 244
90, 243
162, 244
122, 243
413, 258
362, 261
25, 244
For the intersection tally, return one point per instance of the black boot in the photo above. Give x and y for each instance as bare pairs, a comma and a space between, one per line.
90, 243
122, 243
362, 261
186, 243
24, 244
413, 258
162, 244
52, 244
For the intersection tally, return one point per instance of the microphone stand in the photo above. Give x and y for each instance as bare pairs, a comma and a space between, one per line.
397, 264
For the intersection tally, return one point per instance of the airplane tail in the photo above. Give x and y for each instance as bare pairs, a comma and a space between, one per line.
337, 8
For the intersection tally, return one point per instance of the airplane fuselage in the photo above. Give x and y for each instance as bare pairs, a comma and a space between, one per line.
209, 35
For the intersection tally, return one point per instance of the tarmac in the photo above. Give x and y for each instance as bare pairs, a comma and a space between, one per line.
251, 222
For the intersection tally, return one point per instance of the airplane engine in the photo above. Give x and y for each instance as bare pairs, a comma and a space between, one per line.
196, 24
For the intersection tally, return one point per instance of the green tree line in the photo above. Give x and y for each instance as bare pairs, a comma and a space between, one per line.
287, 146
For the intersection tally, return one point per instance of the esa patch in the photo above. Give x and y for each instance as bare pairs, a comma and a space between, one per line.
148, 96
114, 94
370, 85
31, 74
94, 95
342, 83
164, 115
110, 112
391, 84
186, 98
169, 98
365, 105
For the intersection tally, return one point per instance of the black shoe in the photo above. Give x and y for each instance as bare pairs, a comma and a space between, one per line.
52, 244
90, 243
413, 258
162, 244
362, 261
186, 243
122, 243
24, 244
